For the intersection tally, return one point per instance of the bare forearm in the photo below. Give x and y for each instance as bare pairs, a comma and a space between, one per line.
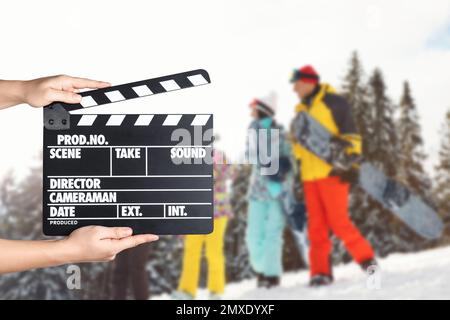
43, 91
11, 93
23, 255
87, 244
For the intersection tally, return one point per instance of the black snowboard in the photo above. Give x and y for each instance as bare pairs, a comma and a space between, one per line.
391, 194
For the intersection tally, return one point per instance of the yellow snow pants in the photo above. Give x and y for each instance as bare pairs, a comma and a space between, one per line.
193, 246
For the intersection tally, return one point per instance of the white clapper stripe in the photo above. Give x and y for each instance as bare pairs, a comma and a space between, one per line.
114, 96
87, 120
144, 120
115, 120
197, 80
200, 120
172, 120
142, 91
88, 101
170, 85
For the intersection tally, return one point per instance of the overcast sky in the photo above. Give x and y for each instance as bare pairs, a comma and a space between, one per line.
248, 47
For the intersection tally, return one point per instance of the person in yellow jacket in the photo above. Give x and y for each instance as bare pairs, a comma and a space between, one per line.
213, 243
325, 190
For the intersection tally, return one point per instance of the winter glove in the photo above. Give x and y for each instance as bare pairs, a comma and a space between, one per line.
346, 167
283, 169
297, 191
340, 159
350, 176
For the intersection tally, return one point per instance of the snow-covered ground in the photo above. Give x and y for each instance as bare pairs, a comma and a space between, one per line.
423, 275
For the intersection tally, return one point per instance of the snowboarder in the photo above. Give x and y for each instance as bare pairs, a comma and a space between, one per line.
266, 221
326, 190
214, 242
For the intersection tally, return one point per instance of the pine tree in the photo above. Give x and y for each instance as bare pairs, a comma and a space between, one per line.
378, 140
373, 112
381, 143
412, 157
164, 265
354, 89
442, 185
390, 234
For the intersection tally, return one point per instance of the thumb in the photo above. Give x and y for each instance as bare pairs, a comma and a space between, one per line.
64, 96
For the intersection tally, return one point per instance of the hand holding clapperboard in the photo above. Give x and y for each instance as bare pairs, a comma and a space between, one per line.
150, 172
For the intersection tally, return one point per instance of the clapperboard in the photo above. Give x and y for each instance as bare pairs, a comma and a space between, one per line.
150, 172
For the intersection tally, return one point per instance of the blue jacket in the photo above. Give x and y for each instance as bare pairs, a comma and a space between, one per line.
261, 186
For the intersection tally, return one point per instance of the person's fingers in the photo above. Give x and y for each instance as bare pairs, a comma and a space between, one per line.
82, 83
63, 96
114, 232
133, 241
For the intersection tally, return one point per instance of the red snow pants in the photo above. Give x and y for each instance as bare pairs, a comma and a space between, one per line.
327, 205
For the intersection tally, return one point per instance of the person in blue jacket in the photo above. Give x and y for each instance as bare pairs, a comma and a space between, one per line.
266, 221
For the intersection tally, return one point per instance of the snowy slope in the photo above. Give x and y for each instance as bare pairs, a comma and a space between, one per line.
423, 275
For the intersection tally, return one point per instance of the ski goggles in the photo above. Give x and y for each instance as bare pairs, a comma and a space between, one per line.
307, 77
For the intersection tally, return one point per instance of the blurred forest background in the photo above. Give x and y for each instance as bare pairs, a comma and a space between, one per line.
392, 141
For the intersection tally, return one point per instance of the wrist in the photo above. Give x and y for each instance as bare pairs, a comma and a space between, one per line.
64, 252
18, 91
23, 87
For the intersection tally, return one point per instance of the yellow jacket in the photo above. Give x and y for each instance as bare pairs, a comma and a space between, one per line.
334, 113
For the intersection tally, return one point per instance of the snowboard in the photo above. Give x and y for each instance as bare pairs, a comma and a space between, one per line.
391, 194
295, 212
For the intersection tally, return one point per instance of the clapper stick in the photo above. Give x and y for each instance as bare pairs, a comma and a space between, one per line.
135, 170
56, 115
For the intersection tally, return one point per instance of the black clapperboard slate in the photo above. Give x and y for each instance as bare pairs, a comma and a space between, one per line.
117, 169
